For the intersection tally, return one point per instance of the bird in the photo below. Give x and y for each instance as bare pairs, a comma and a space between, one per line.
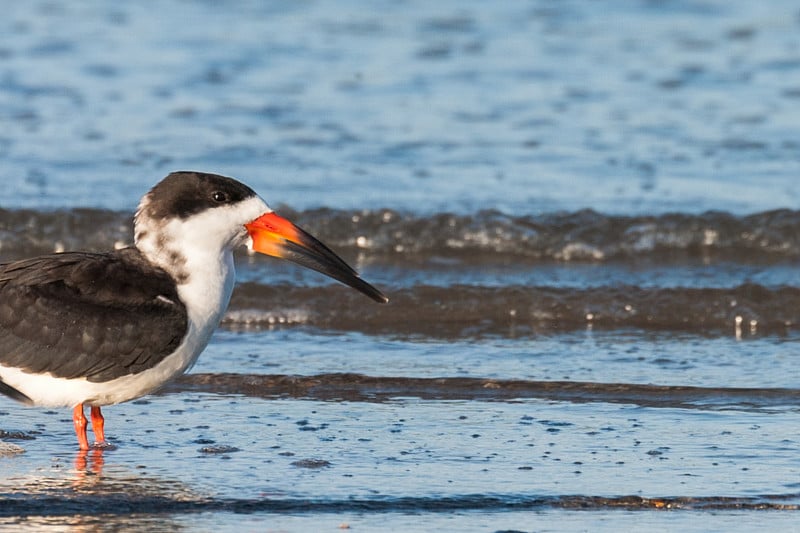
99, 328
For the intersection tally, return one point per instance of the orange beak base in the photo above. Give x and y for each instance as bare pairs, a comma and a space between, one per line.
274, 235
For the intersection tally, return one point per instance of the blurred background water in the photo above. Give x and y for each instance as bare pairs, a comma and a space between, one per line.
599, 194
631, 107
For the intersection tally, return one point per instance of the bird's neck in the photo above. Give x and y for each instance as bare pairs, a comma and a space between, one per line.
204, 275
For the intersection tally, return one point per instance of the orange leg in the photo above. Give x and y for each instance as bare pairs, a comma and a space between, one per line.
79, 419
97, 425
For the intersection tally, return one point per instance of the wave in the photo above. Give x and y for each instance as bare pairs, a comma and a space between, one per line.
362, 388
92, 504
486, 235
468, 311
448, 275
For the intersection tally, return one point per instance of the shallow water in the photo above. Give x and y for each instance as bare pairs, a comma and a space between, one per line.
585, 215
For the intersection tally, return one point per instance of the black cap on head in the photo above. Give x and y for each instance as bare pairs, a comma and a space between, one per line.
183, 194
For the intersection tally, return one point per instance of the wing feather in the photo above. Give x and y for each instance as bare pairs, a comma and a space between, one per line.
99, 316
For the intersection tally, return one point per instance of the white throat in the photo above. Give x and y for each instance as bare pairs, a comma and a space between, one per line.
197, 252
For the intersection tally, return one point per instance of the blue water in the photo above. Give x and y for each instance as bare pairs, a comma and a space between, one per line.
526, 107
429, 109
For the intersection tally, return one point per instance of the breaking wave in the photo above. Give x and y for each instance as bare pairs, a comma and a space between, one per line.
576, 236
401, 246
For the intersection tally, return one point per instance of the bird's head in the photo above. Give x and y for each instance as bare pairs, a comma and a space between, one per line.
214, 214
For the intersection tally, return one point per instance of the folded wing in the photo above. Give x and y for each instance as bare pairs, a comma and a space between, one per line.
98, 316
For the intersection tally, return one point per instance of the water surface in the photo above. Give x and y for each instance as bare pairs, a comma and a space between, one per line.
585, 215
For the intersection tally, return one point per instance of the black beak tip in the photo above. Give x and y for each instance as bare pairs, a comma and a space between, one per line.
368, 290
381, 298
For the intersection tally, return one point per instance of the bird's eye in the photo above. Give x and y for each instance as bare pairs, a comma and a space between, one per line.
219, 196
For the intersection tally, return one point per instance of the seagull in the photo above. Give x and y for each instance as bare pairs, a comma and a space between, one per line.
94, 329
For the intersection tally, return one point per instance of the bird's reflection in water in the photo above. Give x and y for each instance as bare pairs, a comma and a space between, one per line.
100, 493
88, 466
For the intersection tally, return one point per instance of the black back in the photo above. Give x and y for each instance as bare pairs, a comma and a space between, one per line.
99, 316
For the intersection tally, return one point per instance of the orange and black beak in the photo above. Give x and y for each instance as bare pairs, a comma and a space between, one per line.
274, 235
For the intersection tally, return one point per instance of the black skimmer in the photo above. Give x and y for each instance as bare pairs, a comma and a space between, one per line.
81, 328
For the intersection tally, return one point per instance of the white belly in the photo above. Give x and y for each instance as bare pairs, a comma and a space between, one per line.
48, 390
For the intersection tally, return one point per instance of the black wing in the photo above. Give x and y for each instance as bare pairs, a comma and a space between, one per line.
13, 393
99, 316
